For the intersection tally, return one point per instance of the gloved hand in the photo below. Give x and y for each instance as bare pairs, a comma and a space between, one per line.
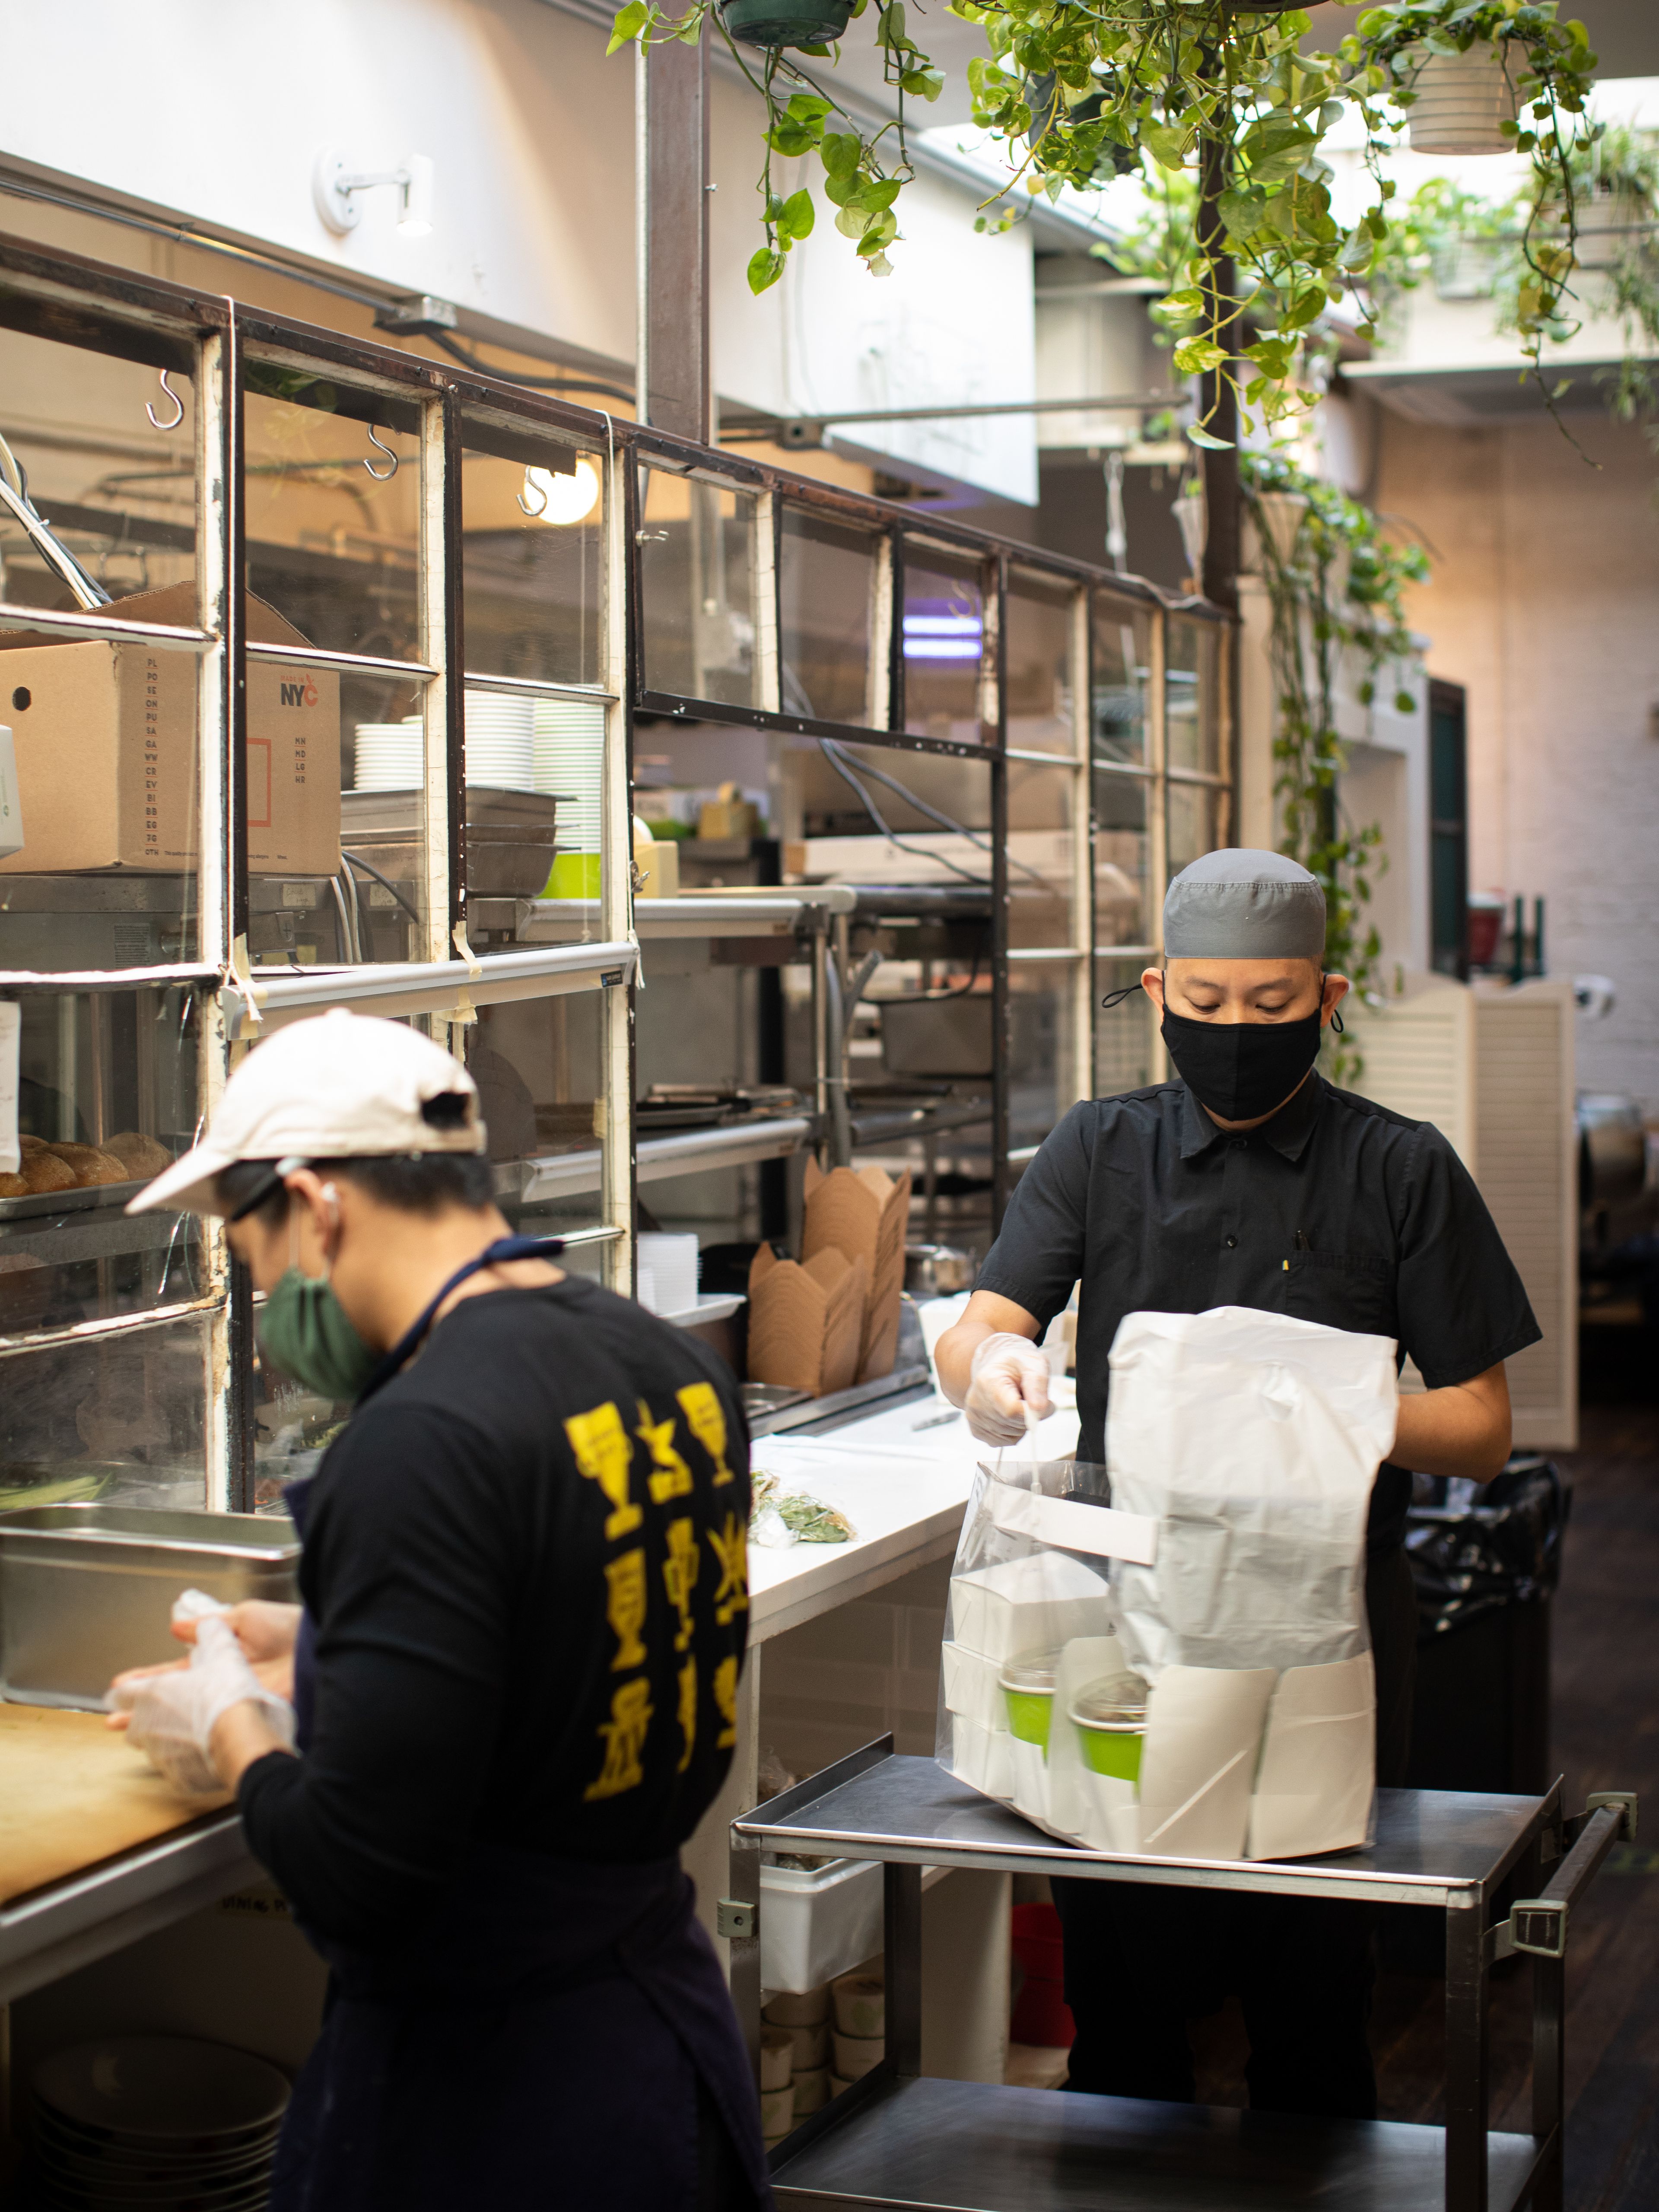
172, 1712
1007, 1373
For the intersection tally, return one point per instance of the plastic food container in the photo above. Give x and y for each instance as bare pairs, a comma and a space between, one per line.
1110, 1719
856, 2054
777, 2059
818, 1921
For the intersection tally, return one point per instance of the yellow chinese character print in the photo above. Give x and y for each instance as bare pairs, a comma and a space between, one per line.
706, 1418
679, 1572
671, 1477
624, 1736
726, 1696
625, 1609
688, 1709
731, 1550
604, 1456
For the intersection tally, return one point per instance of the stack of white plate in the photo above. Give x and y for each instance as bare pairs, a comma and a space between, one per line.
672, 1263
389, 756
156, 2123
501, 742
569, 763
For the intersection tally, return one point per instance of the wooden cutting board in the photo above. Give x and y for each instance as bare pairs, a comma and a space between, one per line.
73, 1792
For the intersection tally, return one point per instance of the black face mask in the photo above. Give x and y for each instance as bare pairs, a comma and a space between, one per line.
1241, 1070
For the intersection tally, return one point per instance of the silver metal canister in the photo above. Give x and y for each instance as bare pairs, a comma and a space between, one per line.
86, 1590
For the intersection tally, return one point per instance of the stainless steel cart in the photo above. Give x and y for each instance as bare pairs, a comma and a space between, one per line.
896, 2139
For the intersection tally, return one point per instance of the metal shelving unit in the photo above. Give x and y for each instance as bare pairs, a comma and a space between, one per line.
897, 2140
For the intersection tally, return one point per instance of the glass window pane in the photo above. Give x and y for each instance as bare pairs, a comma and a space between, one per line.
106, 1099
1041, 868
1042, 1082
1192, 694
943, 645
1121, 859
1197, 815
698, 589
119, 1418
333, 560
1039, 664
116, 493
868, 814
1123, 1034
1120, 648
537, 1063
828, 582
532, 585
99, 858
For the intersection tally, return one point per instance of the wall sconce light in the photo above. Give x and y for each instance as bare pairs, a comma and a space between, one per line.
334, 186
568, 499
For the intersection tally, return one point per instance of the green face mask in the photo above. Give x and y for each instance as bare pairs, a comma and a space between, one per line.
303, 1333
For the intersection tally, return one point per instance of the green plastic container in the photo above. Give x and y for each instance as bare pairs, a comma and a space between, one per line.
1110, 1720
771, 23
575, 875
1028, 1691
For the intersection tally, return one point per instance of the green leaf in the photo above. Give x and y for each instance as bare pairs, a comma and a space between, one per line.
630, 22
789, 139
854, 221
1167, 146
1404, 703
838, 191
841, 152
1194, 356
798, 214
1200, 437
765, 267
809, 108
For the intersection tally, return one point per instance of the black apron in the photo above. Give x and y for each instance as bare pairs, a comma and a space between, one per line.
547, 2038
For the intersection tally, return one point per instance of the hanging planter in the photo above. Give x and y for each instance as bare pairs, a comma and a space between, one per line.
1609, 223
1280, 515
1466, 269
1463, 102
771, 24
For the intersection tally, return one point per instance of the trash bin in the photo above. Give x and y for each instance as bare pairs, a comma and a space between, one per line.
1486, 1560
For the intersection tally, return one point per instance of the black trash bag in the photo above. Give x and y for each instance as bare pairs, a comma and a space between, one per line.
1474, 1548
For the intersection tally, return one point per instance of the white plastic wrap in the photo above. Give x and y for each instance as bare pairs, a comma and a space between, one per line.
1222, 1562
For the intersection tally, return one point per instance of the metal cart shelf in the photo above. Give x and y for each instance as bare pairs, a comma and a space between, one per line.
897, 2141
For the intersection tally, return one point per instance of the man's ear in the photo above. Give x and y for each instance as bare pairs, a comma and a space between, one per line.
1152, 983
1337, 989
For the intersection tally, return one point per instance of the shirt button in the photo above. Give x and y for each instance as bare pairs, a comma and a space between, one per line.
1232, 1243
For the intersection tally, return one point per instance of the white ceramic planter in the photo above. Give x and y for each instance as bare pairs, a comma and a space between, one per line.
1463, 102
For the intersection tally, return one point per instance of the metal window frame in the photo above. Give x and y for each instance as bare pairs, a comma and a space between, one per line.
70, 299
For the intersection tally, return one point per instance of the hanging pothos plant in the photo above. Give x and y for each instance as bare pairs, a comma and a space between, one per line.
1077, 91
1335, 585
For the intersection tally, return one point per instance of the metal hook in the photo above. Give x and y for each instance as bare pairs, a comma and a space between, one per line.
534, 513
381, 476
156, 423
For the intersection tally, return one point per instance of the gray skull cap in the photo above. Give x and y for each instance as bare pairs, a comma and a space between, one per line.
1242, 904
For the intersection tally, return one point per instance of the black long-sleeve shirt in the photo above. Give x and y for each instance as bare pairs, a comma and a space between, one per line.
1336, 1210
525, 1561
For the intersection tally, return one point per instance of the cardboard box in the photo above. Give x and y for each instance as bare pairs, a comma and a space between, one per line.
863, 1214
105, 737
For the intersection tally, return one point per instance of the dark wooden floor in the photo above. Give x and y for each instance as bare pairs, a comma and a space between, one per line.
1606, 1736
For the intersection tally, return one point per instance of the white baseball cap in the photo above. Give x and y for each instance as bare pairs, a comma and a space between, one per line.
339, 1086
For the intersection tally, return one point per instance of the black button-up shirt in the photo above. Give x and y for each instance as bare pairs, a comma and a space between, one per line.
1336, 1211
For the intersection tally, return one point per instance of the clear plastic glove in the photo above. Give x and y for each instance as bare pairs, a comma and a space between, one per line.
172, 1712
1008, 1378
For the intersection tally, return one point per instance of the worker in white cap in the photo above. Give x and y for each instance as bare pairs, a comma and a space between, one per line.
471, 1758
1248, 1181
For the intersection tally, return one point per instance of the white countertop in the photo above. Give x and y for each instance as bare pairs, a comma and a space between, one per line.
902, 1486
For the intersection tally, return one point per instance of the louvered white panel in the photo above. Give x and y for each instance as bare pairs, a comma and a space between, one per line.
1528, 1151
1418, 1057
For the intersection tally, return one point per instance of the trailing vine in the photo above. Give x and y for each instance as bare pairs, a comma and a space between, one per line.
1334, 584
1077, 91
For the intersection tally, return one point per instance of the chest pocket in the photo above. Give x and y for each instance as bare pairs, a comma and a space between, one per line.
1343, 1290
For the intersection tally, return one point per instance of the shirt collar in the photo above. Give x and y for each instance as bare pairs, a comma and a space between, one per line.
1287, 1133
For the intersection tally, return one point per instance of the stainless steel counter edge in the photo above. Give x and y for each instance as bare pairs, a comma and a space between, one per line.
68, 1924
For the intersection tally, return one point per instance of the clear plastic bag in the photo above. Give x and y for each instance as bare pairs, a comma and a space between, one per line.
1173, 1659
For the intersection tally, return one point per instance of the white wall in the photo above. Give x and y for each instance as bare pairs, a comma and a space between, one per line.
217, 113
1546, 579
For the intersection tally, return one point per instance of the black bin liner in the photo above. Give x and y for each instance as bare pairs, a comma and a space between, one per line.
1477, 1547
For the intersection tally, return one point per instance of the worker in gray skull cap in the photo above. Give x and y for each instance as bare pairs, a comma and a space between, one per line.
1249, 1180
